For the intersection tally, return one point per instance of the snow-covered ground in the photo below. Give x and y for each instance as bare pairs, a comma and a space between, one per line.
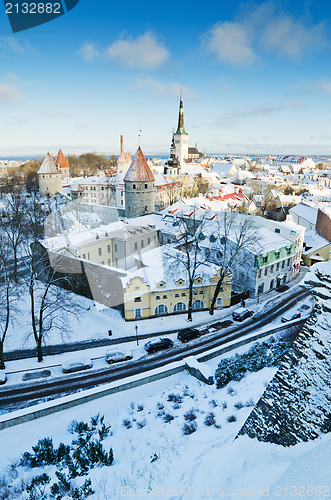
153, 457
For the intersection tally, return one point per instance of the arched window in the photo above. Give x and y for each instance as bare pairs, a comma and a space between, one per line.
161, 309
198, 304
180, 306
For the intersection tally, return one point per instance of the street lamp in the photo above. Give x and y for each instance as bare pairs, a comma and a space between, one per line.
136, 328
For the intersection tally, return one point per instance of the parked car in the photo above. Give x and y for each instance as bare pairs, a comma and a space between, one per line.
241, 314
113, 356
158, 345
3, 377
188, 334
289, 316
74, 365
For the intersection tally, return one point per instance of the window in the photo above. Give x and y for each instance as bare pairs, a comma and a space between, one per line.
137, 313
134, 186
142, 244
201, 292
161, 309
260, 289
145, 186
176, 294
116, 262
271, 284
88, 255
183, 294
219, 302
136, 246
148, 241
283, 264
137, 299
288, 261
137, 287
108, 248
115, 247
266, 271
179, 307
277, 255
259, 274
103, 262
164, 296
219, 255
158, 297
272, 269
84, 255
265, 259
198, 304
99, 251
277, 267
109, 262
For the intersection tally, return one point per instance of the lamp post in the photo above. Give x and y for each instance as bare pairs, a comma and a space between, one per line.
136, 328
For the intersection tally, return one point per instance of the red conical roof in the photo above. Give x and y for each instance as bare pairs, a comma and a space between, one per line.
139, 170
61, 160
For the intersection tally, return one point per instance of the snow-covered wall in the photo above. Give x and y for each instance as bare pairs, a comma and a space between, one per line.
296, 404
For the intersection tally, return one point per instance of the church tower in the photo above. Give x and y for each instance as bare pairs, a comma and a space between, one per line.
50, 178
181, 136
139, 187
172, 167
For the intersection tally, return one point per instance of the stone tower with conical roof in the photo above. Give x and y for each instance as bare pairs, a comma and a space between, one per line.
62, 164
139, 190
181, 136
49, 177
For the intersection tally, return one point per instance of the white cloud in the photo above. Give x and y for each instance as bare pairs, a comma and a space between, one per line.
292, 38
171, 89
230, 43
89, 51
320, 86
11, 43
262, 30
145, 51
9, 93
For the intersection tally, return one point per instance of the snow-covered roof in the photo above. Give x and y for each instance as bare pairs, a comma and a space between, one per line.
161, 267
48, 166
139, 170
305, 212
314, 241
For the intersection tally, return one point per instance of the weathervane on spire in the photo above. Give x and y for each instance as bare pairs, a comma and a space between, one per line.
139, 135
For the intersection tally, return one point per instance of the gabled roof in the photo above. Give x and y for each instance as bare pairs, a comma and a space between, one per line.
139, 170
61, 161
48, 166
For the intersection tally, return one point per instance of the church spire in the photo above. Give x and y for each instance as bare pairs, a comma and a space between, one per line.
180, 128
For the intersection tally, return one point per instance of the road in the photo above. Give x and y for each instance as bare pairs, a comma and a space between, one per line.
56, 387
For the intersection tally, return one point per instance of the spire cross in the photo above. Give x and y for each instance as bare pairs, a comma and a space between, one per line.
139, 135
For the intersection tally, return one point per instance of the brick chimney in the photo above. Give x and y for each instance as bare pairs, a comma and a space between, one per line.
122, 148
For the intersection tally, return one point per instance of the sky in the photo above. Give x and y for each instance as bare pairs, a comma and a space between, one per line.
256, 78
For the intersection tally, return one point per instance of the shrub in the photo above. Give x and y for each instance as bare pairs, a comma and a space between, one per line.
224, 405
141, 424
231, 391
210, 419
232, 418
250, 402
190, 415
168, 418
140, 407
176, 398
160, 406
44, 454
238, 405
213, 403
37, 487
261, 354
127, 423
189, 428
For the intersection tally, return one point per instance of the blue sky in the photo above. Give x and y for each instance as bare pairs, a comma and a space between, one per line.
256, 77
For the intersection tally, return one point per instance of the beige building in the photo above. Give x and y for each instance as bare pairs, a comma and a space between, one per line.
157, 290
116, 245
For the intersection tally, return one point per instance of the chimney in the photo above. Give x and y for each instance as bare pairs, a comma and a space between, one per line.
122, 149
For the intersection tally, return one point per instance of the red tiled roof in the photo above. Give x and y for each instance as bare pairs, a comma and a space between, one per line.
139, 170
61, 161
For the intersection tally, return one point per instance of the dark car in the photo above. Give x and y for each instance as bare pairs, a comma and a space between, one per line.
241, 314
188, 334
158, 345
290, 316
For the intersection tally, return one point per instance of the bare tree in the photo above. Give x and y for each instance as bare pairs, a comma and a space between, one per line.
235, 242
188, 255
13, 223
51, 301
8, 295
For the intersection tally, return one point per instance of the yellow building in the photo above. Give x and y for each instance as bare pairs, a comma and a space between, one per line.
158, 290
